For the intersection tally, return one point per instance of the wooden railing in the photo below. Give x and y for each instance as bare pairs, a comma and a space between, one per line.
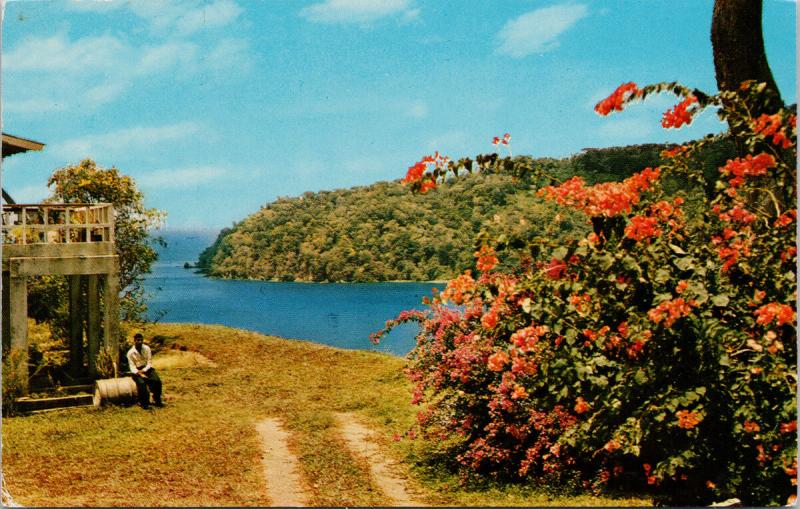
57, 223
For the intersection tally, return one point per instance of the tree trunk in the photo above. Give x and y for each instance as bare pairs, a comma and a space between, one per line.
738, 44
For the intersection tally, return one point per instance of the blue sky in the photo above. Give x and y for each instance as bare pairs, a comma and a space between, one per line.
217, 107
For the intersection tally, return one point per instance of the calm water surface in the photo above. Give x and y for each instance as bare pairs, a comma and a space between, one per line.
341, 315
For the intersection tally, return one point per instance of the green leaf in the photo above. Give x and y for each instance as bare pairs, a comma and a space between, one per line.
526, 305
721, 300
605, 261
662, 275
677, 249
560, 253
685, 263
570, 336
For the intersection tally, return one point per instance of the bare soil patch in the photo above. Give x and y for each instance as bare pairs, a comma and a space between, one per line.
281, 470
171, 359
385, 472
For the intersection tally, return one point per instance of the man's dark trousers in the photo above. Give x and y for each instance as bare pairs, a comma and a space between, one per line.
150, 381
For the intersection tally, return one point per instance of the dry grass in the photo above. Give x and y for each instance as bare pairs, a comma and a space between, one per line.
202, 449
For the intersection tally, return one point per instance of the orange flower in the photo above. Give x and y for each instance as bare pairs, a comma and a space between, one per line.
710, 485
427, 185
489, 320
670, 311
786, 218
680, 114
781, 313
497, 361
681, 287
460, 288
621, 95
751, 426
519, 392
687, 419
581, 406
642, 228
789, 427
611, 446
486, 258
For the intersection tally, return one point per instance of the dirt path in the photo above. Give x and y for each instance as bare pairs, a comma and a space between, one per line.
281, 470
361, 442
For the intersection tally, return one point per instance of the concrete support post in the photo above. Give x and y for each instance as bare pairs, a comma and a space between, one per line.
18, 305
6, 312
75, 325
93, 325
111, 314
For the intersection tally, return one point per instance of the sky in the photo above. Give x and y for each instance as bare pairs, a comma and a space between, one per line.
218, 107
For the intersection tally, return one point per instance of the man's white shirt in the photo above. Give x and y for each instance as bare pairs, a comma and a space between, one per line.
139, 361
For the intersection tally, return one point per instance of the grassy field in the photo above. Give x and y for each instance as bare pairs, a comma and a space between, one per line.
202, 448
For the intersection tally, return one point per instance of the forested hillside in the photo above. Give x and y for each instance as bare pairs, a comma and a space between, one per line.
383, 233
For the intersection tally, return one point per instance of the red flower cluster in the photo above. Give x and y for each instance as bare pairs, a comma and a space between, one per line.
680, 114
780, 313
607, 199
751, 426
581, 406
772, 125
670, 311
555, 269
527, 338
486, 258
687, 419
750, 166
675, 151
730, 251
623, 94
504, 140
786, 218
497, 361
737, 214
459, 289
418, 171
642, 228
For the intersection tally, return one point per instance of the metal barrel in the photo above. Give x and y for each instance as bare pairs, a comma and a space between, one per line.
114, 391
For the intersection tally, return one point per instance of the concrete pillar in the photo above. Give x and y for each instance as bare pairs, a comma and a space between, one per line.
6, 303
111, 314
75, 325
93, 325
18, 307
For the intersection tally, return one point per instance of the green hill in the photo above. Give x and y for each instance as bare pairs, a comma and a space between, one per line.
381, 232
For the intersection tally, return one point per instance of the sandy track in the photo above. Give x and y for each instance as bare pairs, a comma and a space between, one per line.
360, 441
281, 469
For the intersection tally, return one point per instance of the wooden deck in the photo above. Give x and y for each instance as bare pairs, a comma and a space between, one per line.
73, 240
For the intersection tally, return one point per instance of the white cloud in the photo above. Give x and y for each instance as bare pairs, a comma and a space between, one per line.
417, 109
628, 130
178, 178
451, 142
95, 70
181, 18
538, 31
118, 143
218, 14
358, 11
58, 54
228, 54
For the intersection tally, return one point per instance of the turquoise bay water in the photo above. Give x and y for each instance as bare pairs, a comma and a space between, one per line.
336, 314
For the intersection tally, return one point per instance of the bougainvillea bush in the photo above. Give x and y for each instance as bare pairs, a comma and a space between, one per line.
657, 353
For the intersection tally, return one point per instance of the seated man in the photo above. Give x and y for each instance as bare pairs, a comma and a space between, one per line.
145, 376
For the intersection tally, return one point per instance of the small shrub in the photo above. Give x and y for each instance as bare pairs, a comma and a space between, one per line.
15, 378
